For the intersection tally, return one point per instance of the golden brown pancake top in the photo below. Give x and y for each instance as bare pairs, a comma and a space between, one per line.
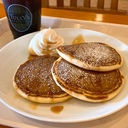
34, 77
94, 53
83, 81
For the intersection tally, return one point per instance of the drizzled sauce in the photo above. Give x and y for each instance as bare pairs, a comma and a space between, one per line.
57, 109
33, 105
78, 40
16, 96
31, 57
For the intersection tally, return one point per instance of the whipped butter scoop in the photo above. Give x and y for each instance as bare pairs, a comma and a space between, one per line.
45, 43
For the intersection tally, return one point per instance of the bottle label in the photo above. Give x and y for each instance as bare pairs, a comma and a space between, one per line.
20, 17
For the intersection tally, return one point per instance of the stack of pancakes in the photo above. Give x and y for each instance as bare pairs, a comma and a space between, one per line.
89, 71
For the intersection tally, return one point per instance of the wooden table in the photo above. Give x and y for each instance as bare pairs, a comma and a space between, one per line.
89, 16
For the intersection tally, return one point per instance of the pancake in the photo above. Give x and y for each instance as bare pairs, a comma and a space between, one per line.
33, 80
87, 85
92, 56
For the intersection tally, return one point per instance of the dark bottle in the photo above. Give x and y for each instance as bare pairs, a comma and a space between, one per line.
24, 16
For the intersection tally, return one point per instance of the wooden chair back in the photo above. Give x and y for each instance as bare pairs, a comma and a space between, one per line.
86, 6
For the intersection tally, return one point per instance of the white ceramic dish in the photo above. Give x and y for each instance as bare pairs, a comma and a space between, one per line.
16, 52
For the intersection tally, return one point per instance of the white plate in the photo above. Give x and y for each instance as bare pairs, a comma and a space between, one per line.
16, 52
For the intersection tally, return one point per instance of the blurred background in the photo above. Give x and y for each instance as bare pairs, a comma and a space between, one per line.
122, 4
